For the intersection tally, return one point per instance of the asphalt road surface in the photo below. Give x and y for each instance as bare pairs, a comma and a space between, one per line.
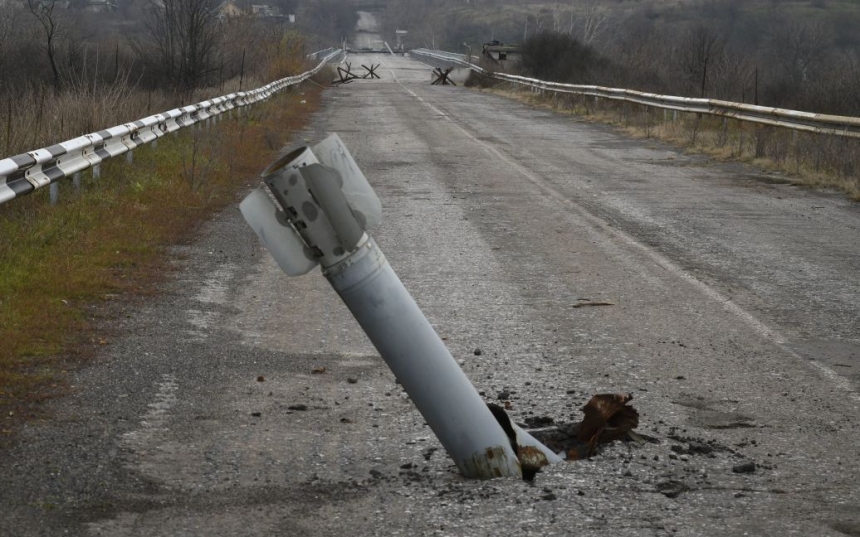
735, 322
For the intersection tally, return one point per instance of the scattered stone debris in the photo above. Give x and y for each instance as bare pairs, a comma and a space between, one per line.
298, 407
608, 417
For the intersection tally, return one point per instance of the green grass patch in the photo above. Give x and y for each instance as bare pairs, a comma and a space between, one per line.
62, 266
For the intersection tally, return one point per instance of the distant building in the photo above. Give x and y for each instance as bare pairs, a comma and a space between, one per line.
265, 11
229, 9
99, 6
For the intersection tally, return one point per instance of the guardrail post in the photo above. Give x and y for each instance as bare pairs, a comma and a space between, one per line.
321, 219
129, 156
55, 193
97, 171
76, 181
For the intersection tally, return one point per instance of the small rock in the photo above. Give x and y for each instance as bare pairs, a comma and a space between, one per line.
407, 466
298, 407
671, 488
503, 396
699, 447
745, 468
549, 497
261, 378
352, 380
535, 422
256, 414
478, 352
345, 420
376, 474
580, 493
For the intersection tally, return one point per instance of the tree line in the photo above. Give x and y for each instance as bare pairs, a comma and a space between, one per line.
178, 45
802, 54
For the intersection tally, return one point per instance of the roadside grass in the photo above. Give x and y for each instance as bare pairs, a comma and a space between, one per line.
802, 158
67, 270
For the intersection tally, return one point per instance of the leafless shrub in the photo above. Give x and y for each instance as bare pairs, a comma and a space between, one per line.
199, 158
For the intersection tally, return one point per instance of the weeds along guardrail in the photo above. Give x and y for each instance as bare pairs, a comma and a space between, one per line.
779, 117
22, 174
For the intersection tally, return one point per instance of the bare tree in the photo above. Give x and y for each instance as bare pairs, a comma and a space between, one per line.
183, 40
43, 11
701, 48
8, 23
592, 22
799, 48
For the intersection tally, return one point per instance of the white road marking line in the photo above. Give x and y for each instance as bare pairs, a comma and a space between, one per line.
155, 419
757, 326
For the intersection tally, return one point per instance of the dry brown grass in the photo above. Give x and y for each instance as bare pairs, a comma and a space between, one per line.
807, 159
40, 117
65, 268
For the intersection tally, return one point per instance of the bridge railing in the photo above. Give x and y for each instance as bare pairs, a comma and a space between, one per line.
22, 174
780, 117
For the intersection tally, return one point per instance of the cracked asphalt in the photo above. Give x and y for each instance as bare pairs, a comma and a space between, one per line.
734, 321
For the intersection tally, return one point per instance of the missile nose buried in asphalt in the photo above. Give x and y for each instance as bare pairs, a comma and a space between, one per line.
321, 208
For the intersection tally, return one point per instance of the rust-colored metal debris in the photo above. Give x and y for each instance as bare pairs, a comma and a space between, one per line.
608, 417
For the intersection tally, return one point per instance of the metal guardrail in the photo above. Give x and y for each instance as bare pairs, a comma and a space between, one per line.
324, 52
22, 174
780, 117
